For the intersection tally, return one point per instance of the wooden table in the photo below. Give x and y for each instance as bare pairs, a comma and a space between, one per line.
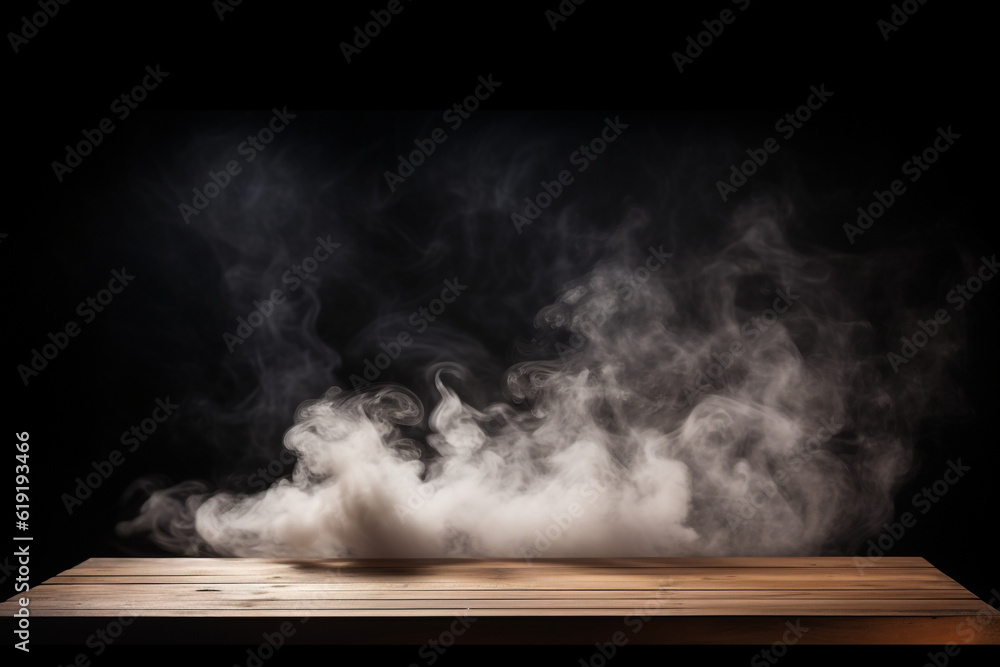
511, 601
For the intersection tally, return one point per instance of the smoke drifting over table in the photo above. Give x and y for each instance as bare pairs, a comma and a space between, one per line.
684, 376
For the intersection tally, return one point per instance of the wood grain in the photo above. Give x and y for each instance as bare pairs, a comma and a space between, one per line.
651, 600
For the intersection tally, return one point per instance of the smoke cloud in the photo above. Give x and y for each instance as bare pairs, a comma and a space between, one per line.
727, 398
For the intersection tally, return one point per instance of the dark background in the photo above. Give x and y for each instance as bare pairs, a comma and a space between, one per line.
162, 335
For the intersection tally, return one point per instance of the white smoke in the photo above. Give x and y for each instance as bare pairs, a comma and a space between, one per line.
678, 411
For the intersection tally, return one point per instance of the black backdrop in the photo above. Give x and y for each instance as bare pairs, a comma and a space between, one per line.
161, 336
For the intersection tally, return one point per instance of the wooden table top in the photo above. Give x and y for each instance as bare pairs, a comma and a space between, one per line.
670, 600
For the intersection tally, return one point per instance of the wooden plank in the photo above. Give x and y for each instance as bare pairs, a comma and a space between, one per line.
173, 565
750, 580
523, 607
446, 574
788, 610
567, 598
510, 573
325, 591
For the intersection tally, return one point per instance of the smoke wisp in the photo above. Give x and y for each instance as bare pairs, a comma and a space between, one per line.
716, 403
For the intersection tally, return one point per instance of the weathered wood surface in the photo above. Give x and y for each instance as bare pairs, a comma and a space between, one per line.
649, 600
